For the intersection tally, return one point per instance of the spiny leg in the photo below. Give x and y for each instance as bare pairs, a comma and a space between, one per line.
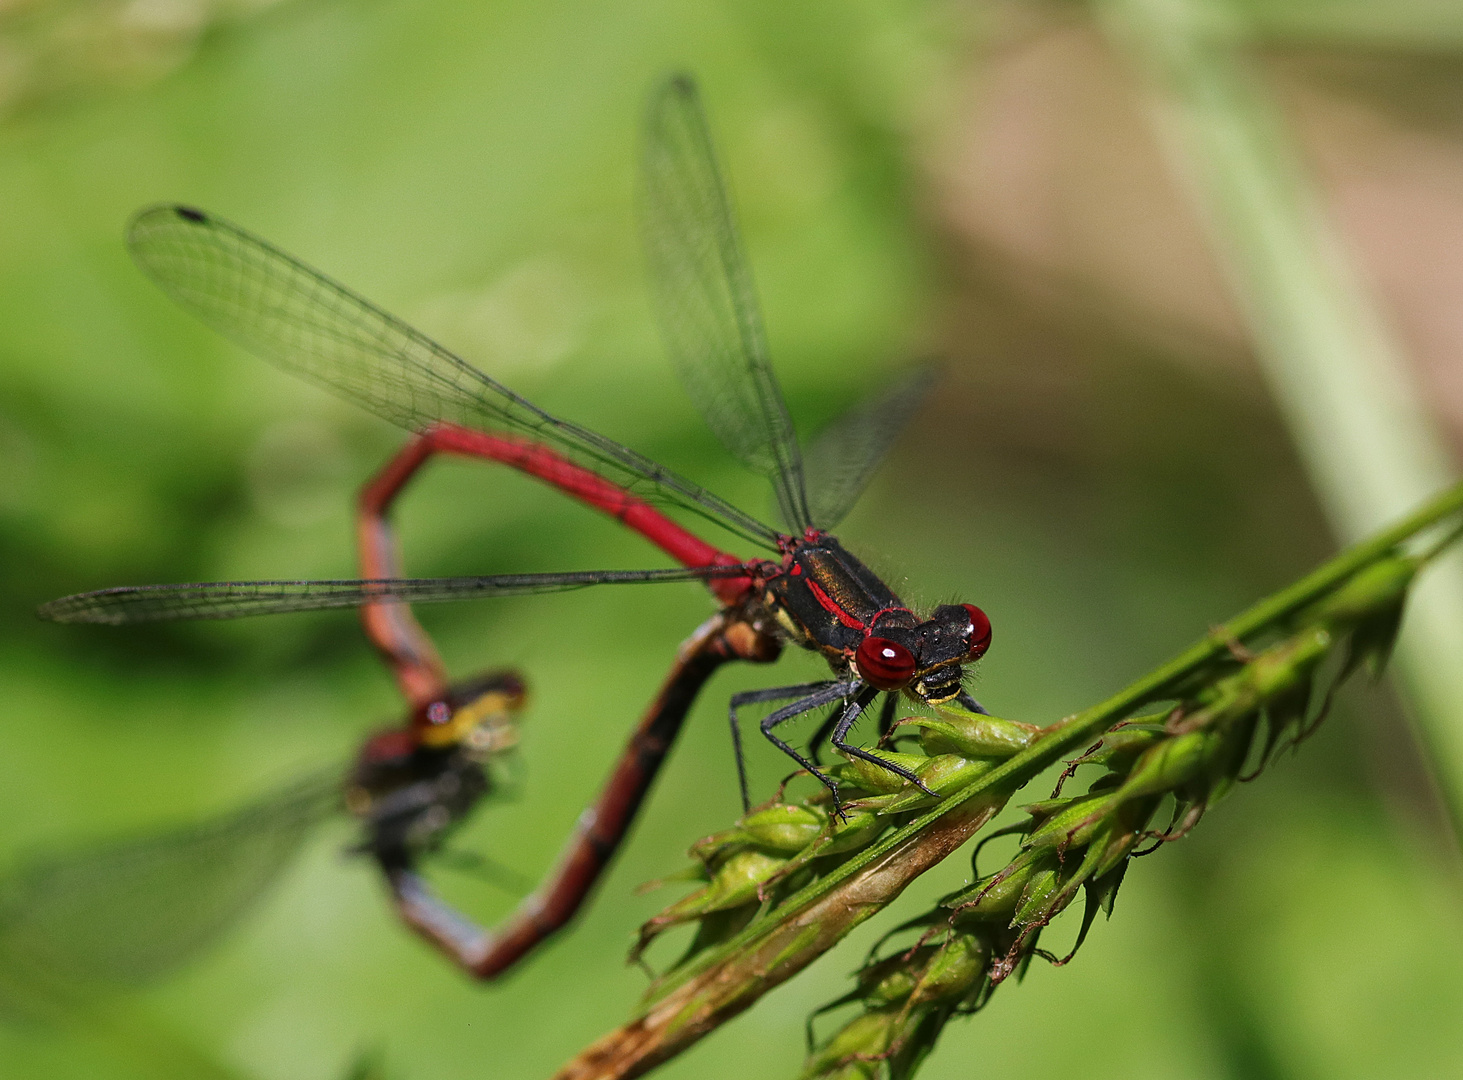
829, 694
753, 697
825, 729
846, 721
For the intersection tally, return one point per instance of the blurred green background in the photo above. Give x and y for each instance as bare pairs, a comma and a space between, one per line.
1102, 472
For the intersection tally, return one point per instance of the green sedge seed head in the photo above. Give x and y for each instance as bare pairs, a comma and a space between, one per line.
872, 778
1041, 887
973, 735
1284, 668
888, 981
734, 883
1167, 765
746, 867
784, 828
711, 850
867, 1035
1120, 748
954, 970
994, 898
1071, 823
1045, 808
942, 775
861, 829
1375, 589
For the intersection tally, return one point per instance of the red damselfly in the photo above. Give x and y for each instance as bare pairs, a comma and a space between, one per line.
811, 592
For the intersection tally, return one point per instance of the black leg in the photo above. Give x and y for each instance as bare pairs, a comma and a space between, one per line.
753, 697
830, 693
970, 703
852, 713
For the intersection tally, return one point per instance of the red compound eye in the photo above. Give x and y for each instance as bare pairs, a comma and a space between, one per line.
885, 664
980, 631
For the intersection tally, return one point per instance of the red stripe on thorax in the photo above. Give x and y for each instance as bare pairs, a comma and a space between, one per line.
885, 611
830, 605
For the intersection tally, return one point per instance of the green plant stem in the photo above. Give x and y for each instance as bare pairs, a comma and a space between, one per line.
695, 999
1353, 407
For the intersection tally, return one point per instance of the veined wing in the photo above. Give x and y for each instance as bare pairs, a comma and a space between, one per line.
123, 913
708, 309
236, 599
294, 316
844, 457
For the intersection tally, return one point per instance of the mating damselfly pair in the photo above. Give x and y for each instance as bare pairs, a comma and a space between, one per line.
413, 784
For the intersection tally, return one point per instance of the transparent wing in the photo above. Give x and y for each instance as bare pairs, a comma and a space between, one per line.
844, 457
237, 599
296, 317
708, 309
124, 913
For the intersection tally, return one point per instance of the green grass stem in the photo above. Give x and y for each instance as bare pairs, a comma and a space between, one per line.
1354, 409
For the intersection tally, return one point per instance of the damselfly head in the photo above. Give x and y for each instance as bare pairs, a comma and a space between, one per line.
478, 714
927, 657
